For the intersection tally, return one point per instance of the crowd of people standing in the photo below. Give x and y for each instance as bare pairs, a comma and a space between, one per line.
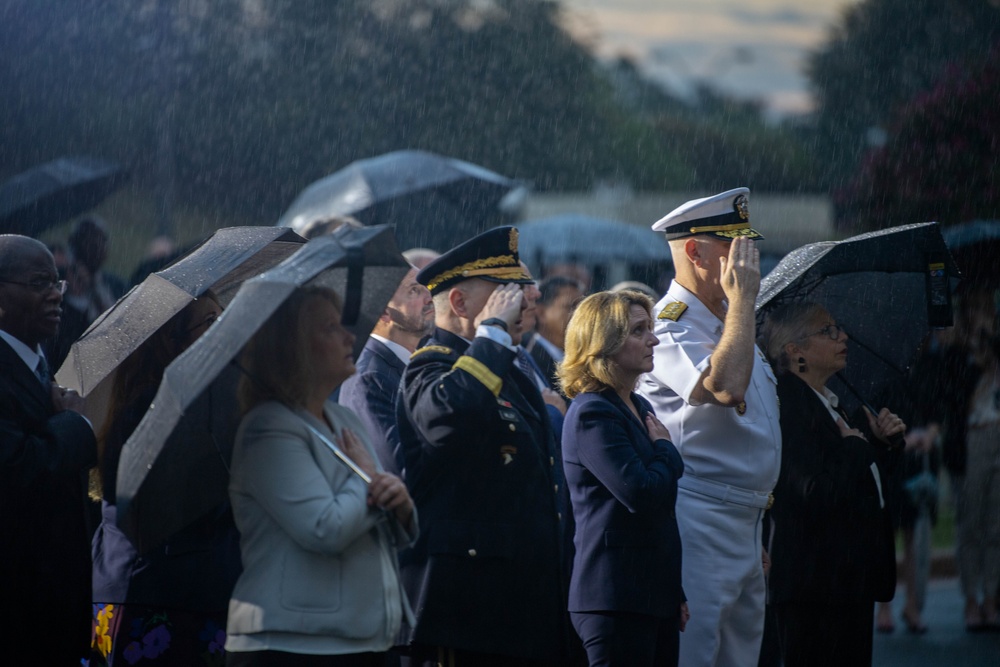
513, 472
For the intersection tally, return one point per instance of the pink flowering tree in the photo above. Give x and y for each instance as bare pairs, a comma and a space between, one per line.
940, 160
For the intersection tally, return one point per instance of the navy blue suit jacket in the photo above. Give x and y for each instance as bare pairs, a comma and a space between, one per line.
45, 558
623, 488
371, 394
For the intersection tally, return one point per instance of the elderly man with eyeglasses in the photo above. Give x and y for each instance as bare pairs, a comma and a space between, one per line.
46, 447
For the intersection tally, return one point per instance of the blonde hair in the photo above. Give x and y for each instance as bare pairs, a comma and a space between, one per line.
596, 332
276, 361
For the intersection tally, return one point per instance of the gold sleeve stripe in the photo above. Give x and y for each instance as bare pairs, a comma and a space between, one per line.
478, 370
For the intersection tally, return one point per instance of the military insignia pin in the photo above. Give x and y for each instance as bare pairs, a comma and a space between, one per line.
672, 311
741, 409
742, 206
507, 453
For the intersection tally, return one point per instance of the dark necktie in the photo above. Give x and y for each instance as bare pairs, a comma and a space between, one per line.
42, 371
525, 366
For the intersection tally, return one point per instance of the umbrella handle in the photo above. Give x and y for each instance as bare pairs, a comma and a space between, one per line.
897, 440
338, 452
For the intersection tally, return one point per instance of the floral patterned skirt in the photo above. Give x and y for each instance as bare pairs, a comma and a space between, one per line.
129, 634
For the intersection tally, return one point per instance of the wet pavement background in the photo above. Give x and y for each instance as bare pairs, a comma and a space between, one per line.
946, 643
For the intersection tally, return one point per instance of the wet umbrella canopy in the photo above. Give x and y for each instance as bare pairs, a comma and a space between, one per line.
886, 288
163, 481
433, 201
56, 191
975, 246
227, 258
574, 237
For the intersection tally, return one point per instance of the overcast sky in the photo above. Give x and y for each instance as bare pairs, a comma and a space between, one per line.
750, 48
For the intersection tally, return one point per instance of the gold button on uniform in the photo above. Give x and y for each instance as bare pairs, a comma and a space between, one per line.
512, 427
472, 552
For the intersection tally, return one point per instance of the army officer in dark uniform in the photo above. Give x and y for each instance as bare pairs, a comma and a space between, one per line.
486, 575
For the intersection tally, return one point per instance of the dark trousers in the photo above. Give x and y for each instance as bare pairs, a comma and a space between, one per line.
820, 635
439, 656
283, 659
619, 639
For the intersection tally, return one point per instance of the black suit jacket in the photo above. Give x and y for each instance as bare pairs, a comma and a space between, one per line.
45, 554
487, 573
832, 542
371, 394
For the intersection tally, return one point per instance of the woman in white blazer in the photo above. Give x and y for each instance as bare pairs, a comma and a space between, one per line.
320, 583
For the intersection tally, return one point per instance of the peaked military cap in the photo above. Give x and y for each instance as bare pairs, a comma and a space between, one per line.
491, 256
725, 216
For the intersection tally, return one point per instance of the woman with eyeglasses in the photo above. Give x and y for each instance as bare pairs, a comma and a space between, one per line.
832, 551
165, 605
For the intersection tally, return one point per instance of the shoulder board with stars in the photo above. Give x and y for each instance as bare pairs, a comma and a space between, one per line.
440, 349
672, 311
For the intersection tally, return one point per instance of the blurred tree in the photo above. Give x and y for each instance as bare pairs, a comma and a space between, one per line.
239, 104
880, 55
728, 144
941, 161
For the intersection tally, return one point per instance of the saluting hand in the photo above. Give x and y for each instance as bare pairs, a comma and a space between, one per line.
741, 270
505, 303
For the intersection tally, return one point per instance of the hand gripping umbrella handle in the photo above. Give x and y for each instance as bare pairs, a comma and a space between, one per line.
339, 453
897, 440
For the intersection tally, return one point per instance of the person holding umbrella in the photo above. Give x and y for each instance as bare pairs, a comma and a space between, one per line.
167, 604
832, 550
319, 533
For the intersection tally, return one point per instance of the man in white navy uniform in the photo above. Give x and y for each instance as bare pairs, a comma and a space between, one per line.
713, 389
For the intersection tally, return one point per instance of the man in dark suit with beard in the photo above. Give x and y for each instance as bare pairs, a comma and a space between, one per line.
486, 577
46, 447
371, 392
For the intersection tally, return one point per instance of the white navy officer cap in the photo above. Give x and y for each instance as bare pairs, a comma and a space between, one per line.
725, 216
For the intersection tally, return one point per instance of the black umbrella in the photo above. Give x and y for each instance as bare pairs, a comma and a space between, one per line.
56, 191
886, 288
975, 246
432, 200
165, 482
221, 263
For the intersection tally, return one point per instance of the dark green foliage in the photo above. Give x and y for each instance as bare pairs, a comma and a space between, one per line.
881, 55
256, 105
942, 159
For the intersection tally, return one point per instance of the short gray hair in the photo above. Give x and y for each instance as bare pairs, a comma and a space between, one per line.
786, 324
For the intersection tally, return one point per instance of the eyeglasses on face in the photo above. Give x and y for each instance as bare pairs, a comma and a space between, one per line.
40, 285
831, 331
